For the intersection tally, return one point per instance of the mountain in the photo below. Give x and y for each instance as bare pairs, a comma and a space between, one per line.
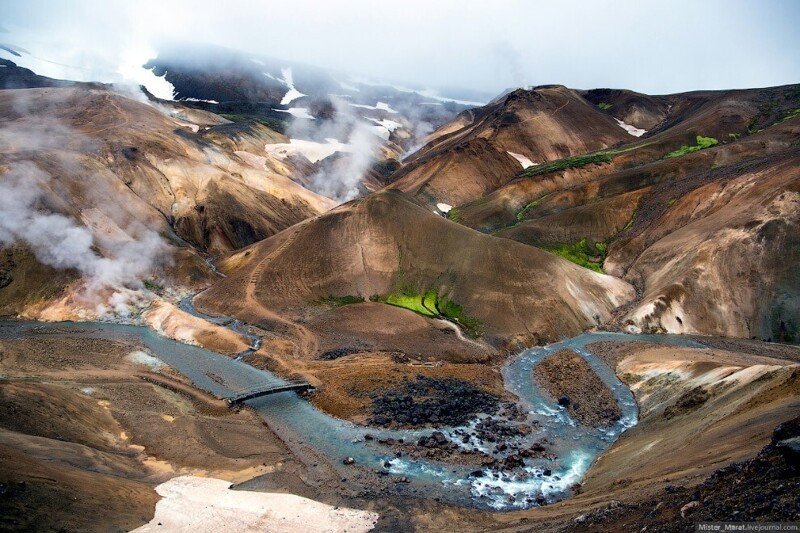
482, 150
127, 171
692, 209
386, 247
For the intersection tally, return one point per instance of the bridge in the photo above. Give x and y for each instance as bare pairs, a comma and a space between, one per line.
267, 389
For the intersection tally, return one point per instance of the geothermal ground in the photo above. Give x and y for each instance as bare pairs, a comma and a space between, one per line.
561, 309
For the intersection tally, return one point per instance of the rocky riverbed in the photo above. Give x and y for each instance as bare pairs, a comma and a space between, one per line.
570, 380
424, 400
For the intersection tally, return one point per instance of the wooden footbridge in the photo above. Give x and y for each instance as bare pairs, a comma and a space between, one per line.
266, 390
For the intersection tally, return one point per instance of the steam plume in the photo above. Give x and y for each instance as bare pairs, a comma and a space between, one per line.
341, 182
58, 241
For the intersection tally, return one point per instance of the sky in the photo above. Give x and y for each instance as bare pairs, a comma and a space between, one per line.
656, 47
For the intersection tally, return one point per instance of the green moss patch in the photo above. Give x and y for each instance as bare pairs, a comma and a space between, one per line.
582, 253
339, 301
430, 304
702, 144
567, 163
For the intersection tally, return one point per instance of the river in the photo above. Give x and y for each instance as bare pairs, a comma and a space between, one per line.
573, 447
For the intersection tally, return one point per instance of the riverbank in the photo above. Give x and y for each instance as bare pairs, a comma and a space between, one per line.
129, 434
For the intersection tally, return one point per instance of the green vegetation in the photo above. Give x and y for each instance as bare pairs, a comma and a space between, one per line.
702, 144
672, 201
734, 136
567, 163
582, 253
233, 117
152, 286
270, 122
430, 304
339, 301
604, 106
629, 225
455, 215
789, 113
419, 303
530, 205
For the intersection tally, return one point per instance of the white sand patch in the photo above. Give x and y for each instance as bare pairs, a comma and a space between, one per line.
444, 208
292, 93
313, 151
298, 112
524, 161
633, 130
201, 505
141, 358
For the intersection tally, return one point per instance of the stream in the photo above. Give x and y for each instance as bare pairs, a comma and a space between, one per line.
571, 446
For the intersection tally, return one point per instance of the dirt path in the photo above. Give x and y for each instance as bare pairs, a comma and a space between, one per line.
306, 341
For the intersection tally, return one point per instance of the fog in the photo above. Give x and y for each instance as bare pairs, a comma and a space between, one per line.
655, 47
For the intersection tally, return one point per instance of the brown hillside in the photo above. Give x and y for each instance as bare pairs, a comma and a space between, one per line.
386, 243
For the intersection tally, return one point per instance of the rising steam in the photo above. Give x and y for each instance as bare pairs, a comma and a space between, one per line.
111, 268
340, 182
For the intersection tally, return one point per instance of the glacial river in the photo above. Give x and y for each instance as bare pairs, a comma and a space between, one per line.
571, 446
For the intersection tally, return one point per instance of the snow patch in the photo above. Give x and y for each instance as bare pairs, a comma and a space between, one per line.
380, 106
190, 99
524, 161
384, 127
444, 208
298, 112
292, 93
131, 69
633, 130
196, 504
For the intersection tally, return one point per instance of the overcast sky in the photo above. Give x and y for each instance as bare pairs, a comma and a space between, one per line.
655, 47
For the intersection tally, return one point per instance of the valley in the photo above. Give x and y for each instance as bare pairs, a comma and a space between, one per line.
559, 308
